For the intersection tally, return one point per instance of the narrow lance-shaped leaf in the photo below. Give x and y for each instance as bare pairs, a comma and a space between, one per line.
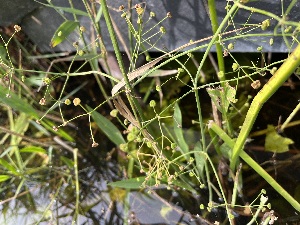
9, 167
178, 130
16, 103
107, 127
4, 178
64, 30
33, 149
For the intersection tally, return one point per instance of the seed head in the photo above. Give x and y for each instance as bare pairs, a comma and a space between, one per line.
114, 113
17, 28
82, 29
139, 9
152, 14
95, 144
235, 67
162, 30
76, 101
42, 101
256, 84
67, 101
231, 46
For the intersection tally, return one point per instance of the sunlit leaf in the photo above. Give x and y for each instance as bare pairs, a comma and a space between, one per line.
9, 167
178, 130
33, 149
16, 103
64, 30
4, 178
107, 127
275, 142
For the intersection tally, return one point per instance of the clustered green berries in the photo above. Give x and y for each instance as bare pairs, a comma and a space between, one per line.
265, 24
124, 147
47, 81
288, 29
235, 67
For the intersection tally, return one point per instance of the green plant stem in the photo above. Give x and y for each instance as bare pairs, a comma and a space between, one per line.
94, 63
213, 126
286, 69
214, 26
216, 35
201, 123
75, 152
133, 102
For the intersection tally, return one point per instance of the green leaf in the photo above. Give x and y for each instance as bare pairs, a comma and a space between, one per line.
16, 103
107, 127
72, 10
133, 183
9, 167
136, 183
33, 149
222, 97
67, 161
4, 178
200, 158
64, 30
178, 130
275, 142
66, 9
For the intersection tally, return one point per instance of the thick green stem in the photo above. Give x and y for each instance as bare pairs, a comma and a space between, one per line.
286, 69
213, 126
215, 25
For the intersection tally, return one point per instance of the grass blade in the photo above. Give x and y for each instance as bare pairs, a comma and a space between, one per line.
62, 32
